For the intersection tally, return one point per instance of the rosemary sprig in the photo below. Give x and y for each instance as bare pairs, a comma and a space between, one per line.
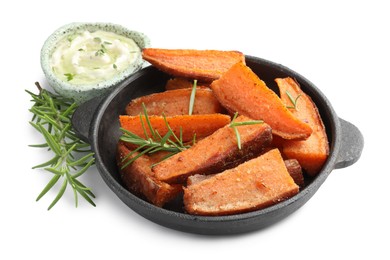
170, 142
233, 124
192, 98
71, 156
292, 100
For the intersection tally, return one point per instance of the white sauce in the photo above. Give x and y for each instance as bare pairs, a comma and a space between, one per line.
92, 57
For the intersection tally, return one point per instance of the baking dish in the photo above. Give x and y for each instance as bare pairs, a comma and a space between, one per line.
96, 121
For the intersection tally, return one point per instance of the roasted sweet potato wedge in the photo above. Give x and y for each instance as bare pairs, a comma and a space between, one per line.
216, 152
179, 83
201, 125
139, 179
175, 102
203, 65
292, 166
255, 184
240, 90
312, 152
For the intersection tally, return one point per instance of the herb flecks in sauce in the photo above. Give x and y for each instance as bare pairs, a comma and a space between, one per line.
69, 76
81, 53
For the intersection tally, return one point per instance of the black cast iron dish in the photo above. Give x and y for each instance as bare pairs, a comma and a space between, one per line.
97, 122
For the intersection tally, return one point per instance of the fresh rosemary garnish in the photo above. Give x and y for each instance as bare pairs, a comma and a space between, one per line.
234, 125
292, 100
71, 156
192, 98
69, 76
170, 142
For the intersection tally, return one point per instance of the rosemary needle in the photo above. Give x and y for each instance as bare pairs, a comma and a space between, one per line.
292, 100
71, 156
233, 124
192, 98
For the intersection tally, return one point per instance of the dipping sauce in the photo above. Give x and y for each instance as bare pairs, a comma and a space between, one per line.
91, 57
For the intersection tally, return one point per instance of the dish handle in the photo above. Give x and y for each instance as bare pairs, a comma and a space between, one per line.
352, 143
83, 115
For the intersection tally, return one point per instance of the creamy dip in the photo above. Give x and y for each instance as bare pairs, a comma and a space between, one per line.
91, 57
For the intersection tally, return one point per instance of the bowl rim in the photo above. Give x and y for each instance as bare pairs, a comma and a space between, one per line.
49, 46
304, 194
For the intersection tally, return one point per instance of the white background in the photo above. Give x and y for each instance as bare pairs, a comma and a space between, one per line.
341, 46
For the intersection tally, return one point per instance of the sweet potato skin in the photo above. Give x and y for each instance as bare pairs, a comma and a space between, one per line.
139, 179
295, 171
201, 125
312, 152
203, 65
216, 152
179, 83
293, 168
253, 185
240, 90
175, 102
